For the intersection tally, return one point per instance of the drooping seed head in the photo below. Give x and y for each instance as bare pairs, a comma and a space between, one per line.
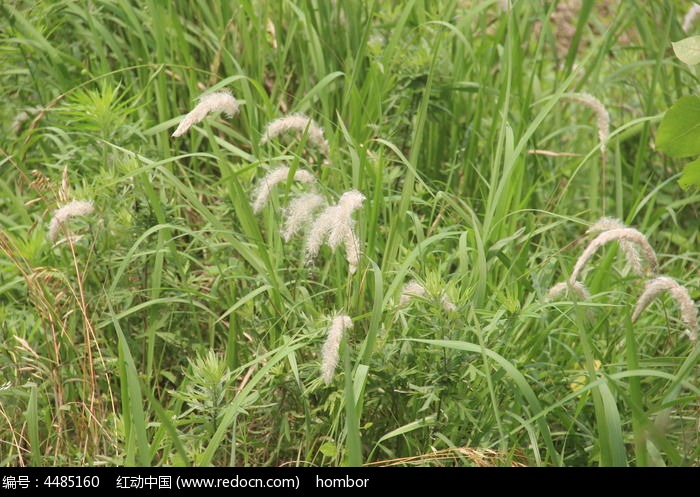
605, 224
319, 231
619, 234
603, 118
654, 287
60, 216
335, 225
352, 250
299, 123
262, 191
221, 101
628, 247
562, 288
349, 202
299, 213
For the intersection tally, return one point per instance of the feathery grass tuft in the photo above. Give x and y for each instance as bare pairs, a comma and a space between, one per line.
656, 286
629, 248
299, 123
107, 357
274, 177
619, 234
335, 225
68, 211
299, 213
220, 101
331, 347
602, 117
563, 287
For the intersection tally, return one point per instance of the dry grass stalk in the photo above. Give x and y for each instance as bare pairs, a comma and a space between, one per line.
477, 456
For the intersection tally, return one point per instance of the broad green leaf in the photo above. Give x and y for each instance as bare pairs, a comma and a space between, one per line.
688, 50
691, 175
679, 132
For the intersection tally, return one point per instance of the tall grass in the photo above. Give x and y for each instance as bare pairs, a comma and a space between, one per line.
176, 325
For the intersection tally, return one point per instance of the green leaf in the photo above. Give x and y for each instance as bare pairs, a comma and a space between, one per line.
688, 50
679, 132
328, 449
691, 175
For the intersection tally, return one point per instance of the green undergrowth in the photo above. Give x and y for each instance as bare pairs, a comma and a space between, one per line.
174, 326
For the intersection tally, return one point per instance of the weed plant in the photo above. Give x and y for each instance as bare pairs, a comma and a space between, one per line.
179, 318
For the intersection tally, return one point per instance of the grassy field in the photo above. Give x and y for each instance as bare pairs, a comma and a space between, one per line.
165, 321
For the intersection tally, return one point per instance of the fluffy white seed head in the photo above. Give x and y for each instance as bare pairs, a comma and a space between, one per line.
689, 313
603, 118
60, 216
620, 234
319, 231
335, 226
562, 288
628, 247
330, 351
262, 191
299, 123
410, 290
352, 250
220, 101
349, 202
299, 213
691, 17
605, 224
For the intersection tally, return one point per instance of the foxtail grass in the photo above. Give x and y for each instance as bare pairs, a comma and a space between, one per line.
620, 234
688, 310
331, 347
335, 226
221, 101
262, 191
61, 216
299, 213
299, 123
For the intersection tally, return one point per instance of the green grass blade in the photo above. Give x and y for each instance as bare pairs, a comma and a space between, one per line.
520, 383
